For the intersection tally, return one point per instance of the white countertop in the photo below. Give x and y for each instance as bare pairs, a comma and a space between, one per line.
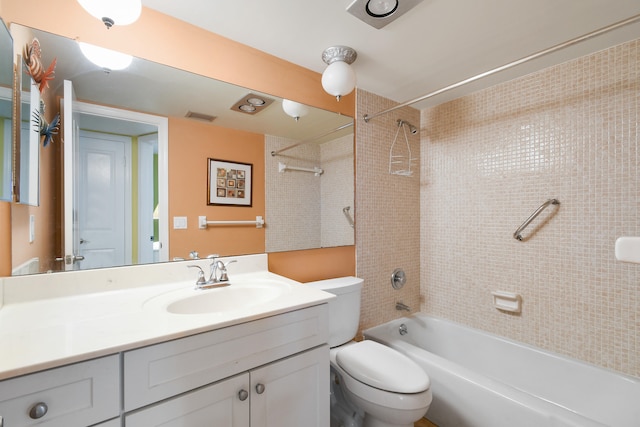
109, 316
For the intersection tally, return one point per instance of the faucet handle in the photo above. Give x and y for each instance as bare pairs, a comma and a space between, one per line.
222, 266
201, 280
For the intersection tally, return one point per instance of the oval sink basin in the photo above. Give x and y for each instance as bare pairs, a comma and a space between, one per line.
225, 299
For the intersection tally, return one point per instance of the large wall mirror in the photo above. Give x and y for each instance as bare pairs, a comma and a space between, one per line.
6, 113
143, 137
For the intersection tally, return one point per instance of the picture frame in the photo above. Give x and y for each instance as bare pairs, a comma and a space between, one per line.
229, 183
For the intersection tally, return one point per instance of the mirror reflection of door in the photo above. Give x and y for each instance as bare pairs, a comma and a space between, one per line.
104, 199
117, 195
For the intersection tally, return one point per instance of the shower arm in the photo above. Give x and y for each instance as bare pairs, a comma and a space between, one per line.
536, 55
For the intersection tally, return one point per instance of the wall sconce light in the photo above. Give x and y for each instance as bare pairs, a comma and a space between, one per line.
113, 12
106, 59
294, 109
338, 78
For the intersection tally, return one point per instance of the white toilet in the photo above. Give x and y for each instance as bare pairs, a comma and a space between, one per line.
371, 385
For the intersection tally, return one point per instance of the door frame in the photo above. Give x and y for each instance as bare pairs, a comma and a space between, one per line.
162, 124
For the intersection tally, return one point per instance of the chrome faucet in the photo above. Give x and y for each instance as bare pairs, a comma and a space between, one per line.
213, 282
401, 306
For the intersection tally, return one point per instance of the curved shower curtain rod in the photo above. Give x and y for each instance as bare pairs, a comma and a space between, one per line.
536, 55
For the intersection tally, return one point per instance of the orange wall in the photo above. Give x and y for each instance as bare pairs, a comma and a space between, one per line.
163, 39
191, 143
48, 224
314, 264
5, 239
166, 40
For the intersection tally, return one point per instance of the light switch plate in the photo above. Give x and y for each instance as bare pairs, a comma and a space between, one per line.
179, 222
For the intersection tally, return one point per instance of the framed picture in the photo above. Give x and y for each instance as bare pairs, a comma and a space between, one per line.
229, 183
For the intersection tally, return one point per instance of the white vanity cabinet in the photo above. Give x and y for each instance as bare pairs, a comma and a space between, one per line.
292, 392
76, 395
269, 372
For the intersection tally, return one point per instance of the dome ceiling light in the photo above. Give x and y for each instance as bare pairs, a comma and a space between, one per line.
339, 79
113, 12
107, 59
379, 13
294, 109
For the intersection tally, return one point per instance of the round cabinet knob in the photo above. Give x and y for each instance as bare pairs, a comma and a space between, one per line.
260, 388
243, 395
38, 410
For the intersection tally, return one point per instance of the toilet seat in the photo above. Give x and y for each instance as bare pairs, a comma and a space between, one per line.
382, 367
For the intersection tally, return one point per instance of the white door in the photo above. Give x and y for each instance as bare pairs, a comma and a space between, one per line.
293, 392
104, 200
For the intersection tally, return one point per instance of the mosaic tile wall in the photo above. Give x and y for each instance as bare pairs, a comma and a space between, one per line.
336, 188
300, 224
313, 216
387, 213
570, 132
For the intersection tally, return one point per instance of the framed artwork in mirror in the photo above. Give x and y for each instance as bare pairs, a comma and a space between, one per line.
229, 183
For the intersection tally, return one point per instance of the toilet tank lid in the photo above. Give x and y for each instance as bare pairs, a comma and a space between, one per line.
339, 285
382, 367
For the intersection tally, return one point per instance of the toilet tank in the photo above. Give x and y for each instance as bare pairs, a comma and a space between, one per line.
344, 310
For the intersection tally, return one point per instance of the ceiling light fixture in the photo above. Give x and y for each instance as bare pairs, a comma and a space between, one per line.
252, 103
379, 13
113, 12
294, 109
107, 59
339, 79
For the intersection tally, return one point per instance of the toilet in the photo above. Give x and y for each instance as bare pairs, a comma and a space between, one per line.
371, 385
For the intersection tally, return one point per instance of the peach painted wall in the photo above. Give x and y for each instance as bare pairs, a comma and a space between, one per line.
5, 239
191, 143
166, 40
163, 39
47, 215
314, 264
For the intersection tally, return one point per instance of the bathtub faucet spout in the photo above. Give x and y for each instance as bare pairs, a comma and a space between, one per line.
401, 306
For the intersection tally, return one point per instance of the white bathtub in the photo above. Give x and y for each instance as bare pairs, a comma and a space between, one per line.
482, 380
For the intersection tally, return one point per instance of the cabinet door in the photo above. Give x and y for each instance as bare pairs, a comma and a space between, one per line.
292, 392
76, 395
220, 404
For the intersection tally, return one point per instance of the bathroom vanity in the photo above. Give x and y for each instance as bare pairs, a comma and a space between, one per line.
124, 357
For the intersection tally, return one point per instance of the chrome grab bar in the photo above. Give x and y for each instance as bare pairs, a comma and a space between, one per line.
346, 213
518, 233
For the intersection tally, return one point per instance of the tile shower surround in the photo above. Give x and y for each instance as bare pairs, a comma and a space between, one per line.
488, 160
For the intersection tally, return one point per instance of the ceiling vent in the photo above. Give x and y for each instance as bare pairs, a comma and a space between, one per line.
200, 116
252, 103
379, 13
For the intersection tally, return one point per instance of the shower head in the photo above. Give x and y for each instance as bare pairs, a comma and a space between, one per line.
411, 127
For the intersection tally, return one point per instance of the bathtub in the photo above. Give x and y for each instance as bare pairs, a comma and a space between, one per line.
482, 380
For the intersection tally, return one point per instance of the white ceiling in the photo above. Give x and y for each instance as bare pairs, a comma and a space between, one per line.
436, 44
